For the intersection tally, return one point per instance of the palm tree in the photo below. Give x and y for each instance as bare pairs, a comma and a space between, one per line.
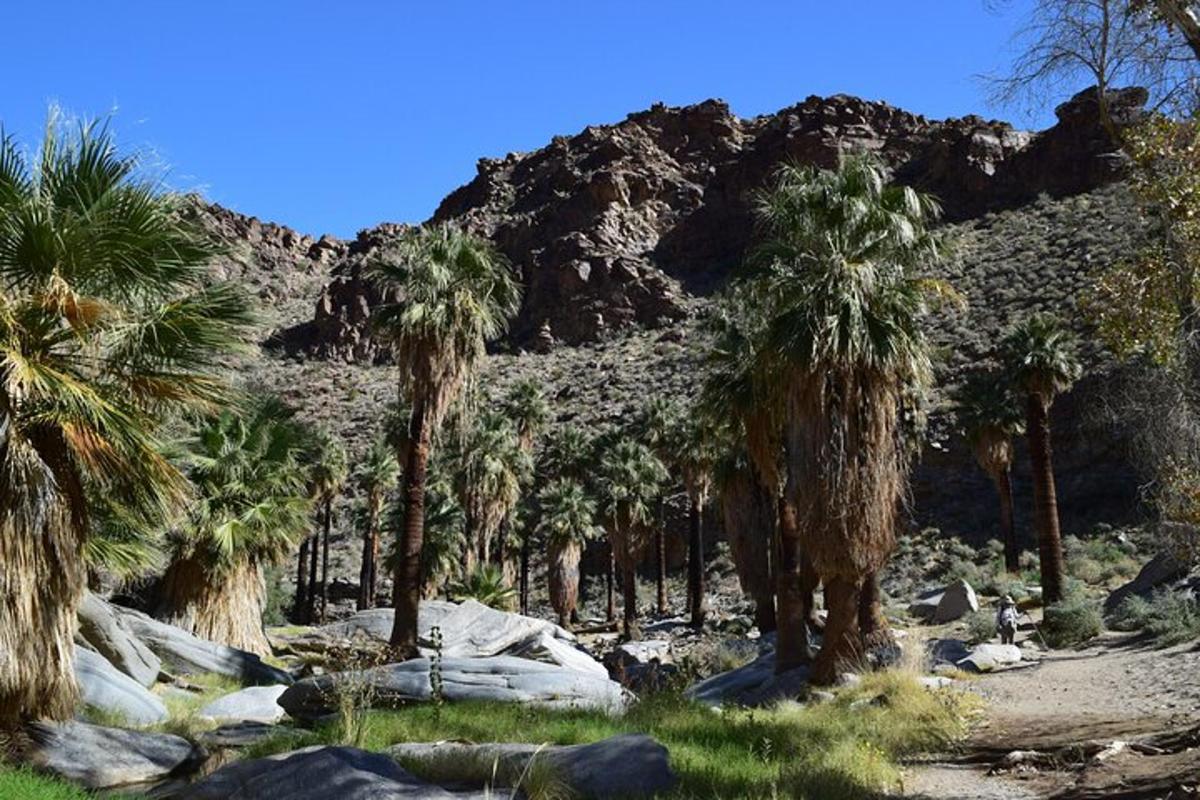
109, 325
1040, 358
656, 424
444, 543
567, 521
328, 470
631, 478
843, 336
492, 467
378, 475
252, 504
453, 292
990, 417
485, 584
526, 406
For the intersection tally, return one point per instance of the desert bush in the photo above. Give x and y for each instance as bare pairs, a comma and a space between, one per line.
486, 584
1071, 622
981, 626
1169, 617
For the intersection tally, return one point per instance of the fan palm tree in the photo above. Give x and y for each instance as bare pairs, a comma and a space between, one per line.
990, 417
492, 468
1040, 358
252, 505
567, 453
444, 541
452, 293
328, 469
568, 522
109, 326
835, 277
655, 425
526, 406
378, 475
631, 477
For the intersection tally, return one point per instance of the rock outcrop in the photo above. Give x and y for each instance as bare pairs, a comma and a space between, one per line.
621, 224
103, 758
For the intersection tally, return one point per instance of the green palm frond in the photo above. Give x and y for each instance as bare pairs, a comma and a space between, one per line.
566, 513
1040, 356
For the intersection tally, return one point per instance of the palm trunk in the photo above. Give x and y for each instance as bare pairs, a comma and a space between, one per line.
224, 607
366, 584
310, 608
696, 560
1045, 500
41, 583
301, 600
660, 560
325, 559
629, 594
1008, 531
609, 577
872, 624
792, 647
564, 580
523, 581
842, 647
408, 570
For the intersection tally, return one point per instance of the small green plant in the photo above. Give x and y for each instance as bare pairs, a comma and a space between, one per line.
486, 584
436, 687
1071, 622
1170, 618
981, 626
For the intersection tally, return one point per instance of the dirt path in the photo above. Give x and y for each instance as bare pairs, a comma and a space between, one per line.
1116, 690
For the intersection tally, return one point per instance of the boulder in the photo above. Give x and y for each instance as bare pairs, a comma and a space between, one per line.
254, 704
987, 657
926, 605
471, 630
103, 758
189, 654
629, 765
238, 734
947, 651
1159, 572
105, 632
500, 678
103, 686
318, 773
956, 602
753, 684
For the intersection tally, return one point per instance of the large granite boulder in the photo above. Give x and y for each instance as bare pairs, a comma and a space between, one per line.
253, 704
988, 657
108, 635
319, 773
103, 686
189, 654
103, 758
500, 678
629, 765
471, 629
945, 605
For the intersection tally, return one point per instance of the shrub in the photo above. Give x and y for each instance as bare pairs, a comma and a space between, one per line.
1169, 617
981, 626
1071, 622
486, 584
1132, 614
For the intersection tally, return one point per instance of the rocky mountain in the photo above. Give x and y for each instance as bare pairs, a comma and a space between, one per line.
622, 224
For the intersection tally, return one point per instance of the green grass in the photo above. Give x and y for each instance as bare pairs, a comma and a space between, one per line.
25, 784
843, 748
184, 719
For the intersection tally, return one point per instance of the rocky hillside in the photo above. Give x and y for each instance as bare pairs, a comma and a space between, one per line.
622, 232
620, 224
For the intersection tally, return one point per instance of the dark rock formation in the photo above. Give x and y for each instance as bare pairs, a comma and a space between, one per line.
619, 224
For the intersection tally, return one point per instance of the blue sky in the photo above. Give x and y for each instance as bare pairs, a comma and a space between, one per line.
334, 116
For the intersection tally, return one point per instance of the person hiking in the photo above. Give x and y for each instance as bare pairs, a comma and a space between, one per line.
1006, 620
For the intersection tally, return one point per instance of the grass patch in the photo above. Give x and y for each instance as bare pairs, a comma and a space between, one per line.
184, 706
24, 783
850, 747
1170, 618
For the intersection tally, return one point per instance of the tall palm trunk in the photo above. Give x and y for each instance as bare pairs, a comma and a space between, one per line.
696, 558
1045, 499
301, 602
408, 570
310, 609
629, 598
41, 582
872, 624
1008, 531
842, 645
564, 580
224, 607
325, 559
660, 561
609, 578
523, 581
792, 647
370, 555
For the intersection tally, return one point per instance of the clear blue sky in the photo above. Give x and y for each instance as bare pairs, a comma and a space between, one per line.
333, 116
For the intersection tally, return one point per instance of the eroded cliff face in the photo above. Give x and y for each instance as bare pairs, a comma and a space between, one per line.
622, 224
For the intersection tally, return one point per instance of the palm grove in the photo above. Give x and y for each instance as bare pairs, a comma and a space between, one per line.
125, 450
